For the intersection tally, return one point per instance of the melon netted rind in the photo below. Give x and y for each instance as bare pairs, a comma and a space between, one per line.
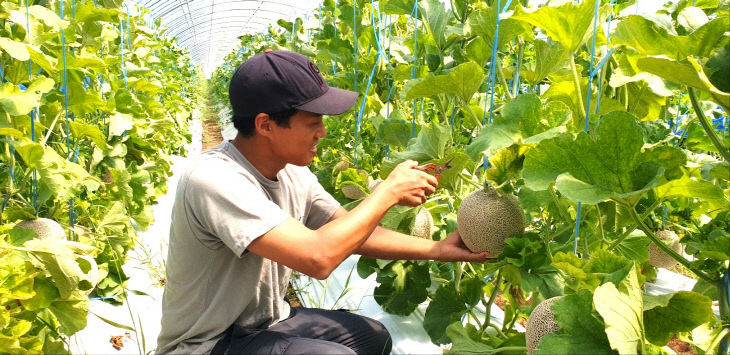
372, 185
541, 323
353, 192
486, 219
423, 227
657, 257
44, 228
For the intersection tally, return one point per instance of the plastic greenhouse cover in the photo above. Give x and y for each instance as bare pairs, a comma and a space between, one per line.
209, 29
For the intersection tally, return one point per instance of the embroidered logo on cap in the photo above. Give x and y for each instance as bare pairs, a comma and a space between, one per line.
317, 73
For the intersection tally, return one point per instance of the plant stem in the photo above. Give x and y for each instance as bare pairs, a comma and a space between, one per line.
707, 126
492, 297
665, 247
502, 80
576, 83
600, 225
564, 214
632, 227
724, 308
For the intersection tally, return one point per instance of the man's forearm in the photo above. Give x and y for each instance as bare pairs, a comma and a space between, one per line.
390, 245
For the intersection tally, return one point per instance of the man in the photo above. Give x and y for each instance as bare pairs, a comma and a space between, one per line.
249, 211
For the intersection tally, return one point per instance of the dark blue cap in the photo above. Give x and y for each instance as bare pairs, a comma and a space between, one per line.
277, 81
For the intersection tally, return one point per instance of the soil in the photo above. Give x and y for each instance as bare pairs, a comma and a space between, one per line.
118, 340
211, 129
680, 347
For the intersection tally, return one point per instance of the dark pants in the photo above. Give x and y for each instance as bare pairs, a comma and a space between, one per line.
310, 331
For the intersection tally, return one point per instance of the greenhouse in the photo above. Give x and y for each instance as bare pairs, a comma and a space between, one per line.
365, 176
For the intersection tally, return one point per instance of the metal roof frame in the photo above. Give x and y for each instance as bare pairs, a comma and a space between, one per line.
209, 29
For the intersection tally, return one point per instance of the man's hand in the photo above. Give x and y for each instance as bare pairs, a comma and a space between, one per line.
453, 249
409, 187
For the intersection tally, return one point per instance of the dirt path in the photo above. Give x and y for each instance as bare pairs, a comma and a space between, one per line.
211, 129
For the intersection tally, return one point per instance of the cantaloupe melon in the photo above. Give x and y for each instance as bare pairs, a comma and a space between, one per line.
541, 323
44, 228
423, 226
486, 218
657, 257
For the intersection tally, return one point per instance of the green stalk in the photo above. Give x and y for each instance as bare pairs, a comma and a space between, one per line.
632, 227
724, 333
502, 80
666, 248
707, 126
600, 226
492, 297
576, 83
724, 312
520, 52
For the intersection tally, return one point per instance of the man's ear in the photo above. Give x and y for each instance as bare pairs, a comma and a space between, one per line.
263, 124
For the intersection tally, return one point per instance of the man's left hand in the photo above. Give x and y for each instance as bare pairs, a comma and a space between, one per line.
453, 249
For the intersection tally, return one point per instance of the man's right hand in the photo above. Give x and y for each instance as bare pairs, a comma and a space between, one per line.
408, 186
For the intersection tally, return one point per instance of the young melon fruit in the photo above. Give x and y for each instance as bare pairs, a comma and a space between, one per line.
486, 218
657, 257
423, 227
541, 323
44, 228
353, 192
373, 184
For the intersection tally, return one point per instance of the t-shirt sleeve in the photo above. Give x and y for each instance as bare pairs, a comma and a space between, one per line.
230, 208
322, 204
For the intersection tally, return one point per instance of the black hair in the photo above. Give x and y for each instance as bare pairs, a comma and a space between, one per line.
245, 125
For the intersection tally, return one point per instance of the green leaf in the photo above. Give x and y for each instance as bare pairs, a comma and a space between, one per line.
463, 81
446, 307
685, 311
592, 169
402, 286
17, 102
581, 328
521, 118
690, 74
710, 36
45, 294
569, 24
465, 340
483, 23
395, 132
398, 7
59, 259
71, 314
30, 152
649, 38
634, 247
17, 50
64, 178
428, 145
120, 123
550, 56
621, 309
93, 133
687, 187
435, 19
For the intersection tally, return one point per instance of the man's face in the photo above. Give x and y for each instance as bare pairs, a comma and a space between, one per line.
297, 144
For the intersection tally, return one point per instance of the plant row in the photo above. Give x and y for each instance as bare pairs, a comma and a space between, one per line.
93, 101
609, 129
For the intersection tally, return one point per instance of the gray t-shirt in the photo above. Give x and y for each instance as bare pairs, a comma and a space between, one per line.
222, 204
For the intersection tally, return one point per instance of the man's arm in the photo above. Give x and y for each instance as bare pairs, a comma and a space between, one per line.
386, 244
318, 252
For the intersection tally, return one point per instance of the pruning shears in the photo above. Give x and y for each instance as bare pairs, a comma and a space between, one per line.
434, 169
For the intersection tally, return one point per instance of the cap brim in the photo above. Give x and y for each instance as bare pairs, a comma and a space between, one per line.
333, 102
